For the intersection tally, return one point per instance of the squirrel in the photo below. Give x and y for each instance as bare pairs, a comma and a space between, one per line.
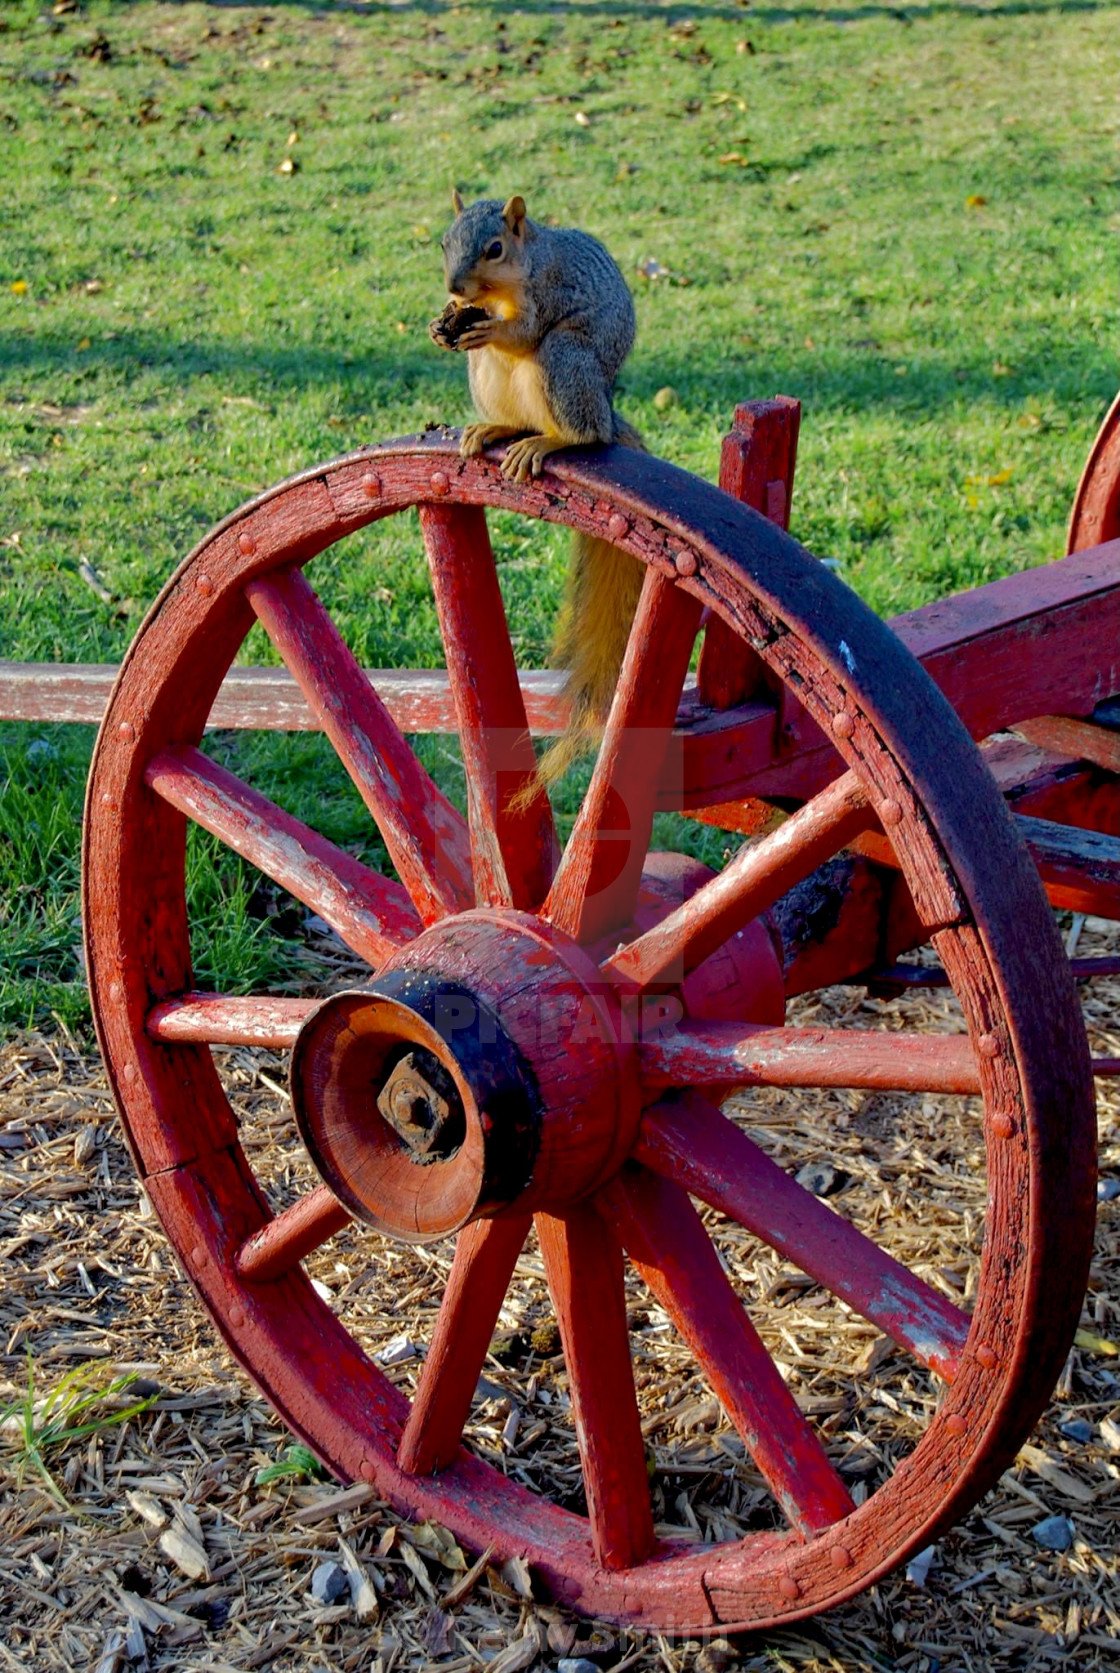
546, 321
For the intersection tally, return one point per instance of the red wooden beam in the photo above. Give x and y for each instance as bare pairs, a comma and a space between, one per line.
371, 913
583, 1265
427, 838
485, 1256
1043, 642
282, 1243
219, 1019
728, 1054
692, 1143
665, 1238
512, 839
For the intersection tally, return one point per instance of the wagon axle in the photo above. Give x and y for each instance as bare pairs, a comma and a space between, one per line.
421, 1102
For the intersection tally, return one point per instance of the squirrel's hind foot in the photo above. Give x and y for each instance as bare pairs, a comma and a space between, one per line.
475, 437
525, 459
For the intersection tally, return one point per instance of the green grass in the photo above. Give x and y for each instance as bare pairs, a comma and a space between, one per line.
914, 234
86, 1401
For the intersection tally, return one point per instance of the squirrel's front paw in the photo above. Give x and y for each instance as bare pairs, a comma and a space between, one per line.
525, 459
480, 332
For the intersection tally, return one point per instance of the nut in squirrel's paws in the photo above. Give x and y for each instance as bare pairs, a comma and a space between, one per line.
448, 330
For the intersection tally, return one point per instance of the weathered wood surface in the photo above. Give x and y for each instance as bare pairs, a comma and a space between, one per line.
426, 836
730, 1054
583, 1265
666, 1240
371, 913
1078, 739
485, 1256
596, 882
691, 1143
756, 464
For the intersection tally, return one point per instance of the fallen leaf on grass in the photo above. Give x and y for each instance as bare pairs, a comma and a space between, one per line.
976, 201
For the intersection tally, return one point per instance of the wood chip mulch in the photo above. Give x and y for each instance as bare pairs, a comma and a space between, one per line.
164, 1552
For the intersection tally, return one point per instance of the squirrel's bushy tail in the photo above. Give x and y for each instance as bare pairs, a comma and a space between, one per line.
602, 594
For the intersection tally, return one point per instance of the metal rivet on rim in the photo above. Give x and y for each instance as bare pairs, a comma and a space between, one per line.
441, 482
107, 798
1002, 1124
126, 732
199, 1255
841, 1556
129, 1071
371, 485
618, 526
205, 585
843, 723
789, 1588
246, 544
890, 812
988, 1045
686, 562
236, 1317
988, 1357
955, 1424
116, 992
367, 1469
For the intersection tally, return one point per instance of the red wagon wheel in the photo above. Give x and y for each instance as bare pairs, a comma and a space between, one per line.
1095, 515
500, 1065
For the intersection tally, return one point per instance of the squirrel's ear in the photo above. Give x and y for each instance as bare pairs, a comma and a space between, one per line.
456, 201
514, 215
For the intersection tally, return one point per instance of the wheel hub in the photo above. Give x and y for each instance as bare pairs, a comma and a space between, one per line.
490, 1066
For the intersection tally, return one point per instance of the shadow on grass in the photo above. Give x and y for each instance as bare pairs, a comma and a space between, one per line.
705, 379
641, 9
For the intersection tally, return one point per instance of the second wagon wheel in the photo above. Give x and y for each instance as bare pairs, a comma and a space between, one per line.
500, 1066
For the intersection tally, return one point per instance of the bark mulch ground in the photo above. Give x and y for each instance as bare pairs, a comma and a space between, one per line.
161, 1549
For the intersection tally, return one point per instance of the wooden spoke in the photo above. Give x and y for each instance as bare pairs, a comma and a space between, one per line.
426, 837
371, 913
665, 1238
730, 1054
596, 882
282, 1243
691, 1143
583, 1264
485, 1255
512, 840
760, 874
220, 1019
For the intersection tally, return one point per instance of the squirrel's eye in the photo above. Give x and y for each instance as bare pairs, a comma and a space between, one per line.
494, 250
